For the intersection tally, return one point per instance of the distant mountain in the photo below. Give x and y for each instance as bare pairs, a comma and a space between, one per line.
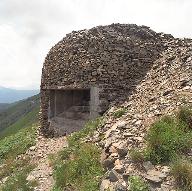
19, 114
4, 106
11, 95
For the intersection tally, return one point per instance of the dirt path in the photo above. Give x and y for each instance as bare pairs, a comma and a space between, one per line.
39, 153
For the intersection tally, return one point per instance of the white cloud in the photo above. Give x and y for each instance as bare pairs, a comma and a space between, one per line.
28, 29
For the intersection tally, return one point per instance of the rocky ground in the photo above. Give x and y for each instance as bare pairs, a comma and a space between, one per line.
165, 88
39, 155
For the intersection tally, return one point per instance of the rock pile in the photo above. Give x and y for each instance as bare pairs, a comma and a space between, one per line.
166, 87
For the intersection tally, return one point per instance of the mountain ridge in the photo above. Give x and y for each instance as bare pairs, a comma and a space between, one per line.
17, 110
8, 95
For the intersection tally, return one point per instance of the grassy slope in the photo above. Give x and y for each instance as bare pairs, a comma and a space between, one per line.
79, 162
18, 110
169, 142
4, 106
14, 168
25, 121
14, 141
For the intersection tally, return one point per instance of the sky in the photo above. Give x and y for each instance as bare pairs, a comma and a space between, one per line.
29, 28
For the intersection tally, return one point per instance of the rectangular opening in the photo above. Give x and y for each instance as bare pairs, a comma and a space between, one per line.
69, 109
61, 101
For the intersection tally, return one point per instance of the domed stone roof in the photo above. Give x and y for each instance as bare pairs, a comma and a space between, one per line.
109, 55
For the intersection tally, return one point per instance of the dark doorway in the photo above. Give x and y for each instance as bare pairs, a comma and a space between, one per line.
69, 110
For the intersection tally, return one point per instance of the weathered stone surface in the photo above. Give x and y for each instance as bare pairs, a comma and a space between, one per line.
121, 186
149, 74
114, 176
148, 165
155, 176
105, 185
121, 148
108, 163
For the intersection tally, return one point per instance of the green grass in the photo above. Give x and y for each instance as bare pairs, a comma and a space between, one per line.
87, 130
79, 163
181, 169
11, 166
119, 112
25, 121
136, 183
168, 142
16, 144
15, 140
18, 181
169, 137
137, 156
14, 168
84, 165
17, 110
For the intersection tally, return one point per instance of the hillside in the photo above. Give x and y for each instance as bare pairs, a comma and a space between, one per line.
8, 95
3, 106
24, 121
16, 114
143, 142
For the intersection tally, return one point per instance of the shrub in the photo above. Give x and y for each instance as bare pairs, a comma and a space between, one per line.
167, 138
185, 116
182, 172
119, 112
83, 166
137, 184
137, 156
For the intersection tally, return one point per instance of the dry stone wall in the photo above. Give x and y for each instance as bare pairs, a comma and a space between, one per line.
166, 87
114, 58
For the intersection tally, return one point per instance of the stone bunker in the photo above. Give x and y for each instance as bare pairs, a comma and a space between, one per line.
89, 69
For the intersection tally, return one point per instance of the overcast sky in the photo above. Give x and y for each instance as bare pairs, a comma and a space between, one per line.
29, 28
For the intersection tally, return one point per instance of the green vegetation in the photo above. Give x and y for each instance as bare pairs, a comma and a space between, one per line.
25, 121
137, 156
17, 110
15, 139
19, 182
168, 141
182, 172
11, 165
17, 144
87, 130
119, 112
79, 163
169, 137
137, 184
82, 164
10, 148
